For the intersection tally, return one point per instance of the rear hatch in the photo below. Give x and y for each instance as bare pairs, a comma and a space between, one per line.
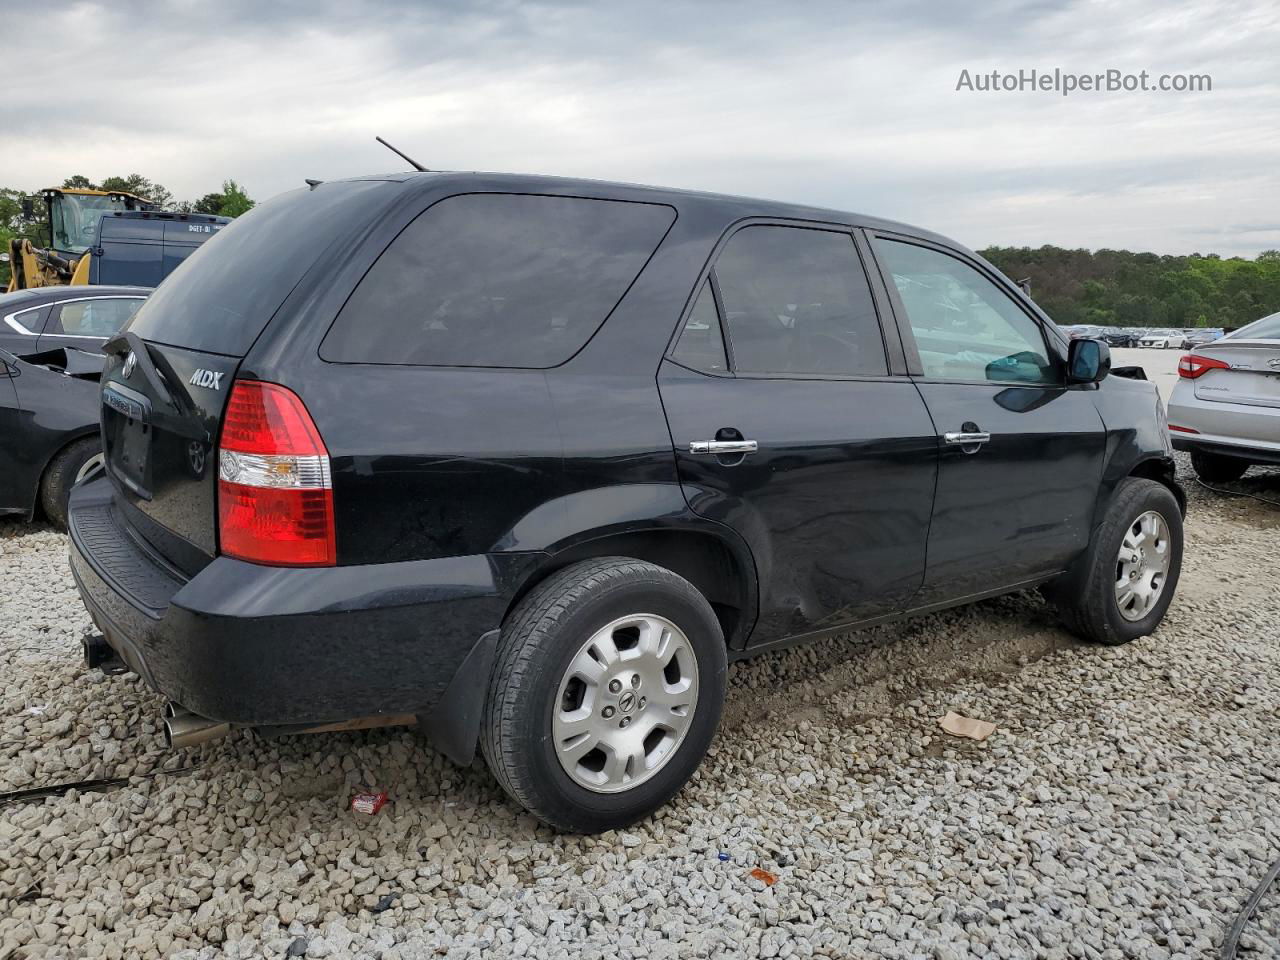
1251, 375
167, 380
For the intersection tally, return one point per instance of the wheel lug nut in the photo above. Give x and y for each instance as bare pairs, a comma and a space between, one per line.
643, 703
607, 712
615, 686
626, 721
635, 679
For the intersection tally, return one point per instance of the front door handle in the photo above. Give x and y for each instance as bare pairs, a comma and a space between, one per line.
967, 438
720, 448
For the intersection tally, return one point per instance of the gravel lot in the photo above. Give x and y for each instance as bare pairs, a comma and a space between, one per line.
1125, 807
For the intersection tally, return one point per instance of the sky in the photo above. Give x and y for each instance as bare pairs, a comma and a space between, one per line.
849, 105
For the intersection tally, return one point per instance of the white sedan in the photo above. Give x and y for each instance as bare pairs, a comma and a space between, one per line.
1161, 341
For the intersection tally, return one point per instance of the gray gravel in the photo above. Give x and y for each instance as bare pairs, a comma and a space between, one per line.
1125, 806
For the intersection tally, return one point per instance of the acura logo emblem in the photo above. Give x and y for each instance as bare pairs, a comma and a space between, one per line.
130, 362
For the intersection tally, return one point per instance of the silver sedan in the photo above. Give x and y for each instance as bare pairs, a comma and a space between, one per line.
1225, 408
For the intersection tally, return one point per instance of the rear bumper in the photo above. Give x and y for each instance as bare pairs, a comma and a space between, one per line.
267, 646
1246, 431
1240, 449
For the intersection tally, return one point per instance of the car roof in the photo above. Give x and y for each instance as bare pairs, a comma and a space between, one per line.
581, 186
26, 299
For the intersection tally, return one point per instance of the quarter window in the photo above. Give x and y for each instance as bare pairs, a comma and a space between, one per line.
701, 345
29, 320
102, 317
797, 302
965, 327
497, 280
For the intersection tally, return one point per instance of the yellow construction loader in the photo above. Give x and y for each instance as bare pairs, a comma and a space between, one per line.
74, 219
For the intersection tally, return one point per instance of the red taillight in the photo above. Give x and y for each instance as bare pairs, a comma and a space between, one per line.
1193, 365
275, 494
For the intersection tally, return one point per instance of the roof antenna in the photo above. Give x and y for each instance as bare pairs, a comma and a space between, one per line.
404, 156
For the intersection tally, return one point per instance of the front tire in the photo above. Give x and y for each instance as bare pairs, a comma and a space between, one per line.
605, 695
1129, 574
1214, 468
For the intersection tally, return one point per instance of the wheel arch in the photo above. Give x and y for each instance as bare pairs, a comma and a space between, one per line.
1162, 470
721, 569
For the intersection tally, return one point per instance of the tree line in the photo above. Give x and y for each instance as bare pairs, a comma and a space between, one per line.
1124, 289
231, 201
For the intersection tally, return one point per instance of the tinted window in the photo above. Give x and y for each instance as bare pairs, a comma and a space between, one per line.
701, 345
29, 320
965, 327
497, 280
221, 297
94, 318
797, 301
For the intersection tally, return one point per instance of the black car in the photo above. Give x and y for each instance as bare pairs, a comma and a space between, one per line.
530, 459
1118, 337
46, 318
48, 429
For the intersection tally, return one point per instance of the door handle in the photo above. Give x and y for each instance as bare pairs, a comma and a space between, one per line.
966, 438
721, 447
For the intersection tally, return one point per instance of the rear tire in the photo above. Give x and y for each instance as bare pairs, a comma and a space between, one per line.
533, 713
1089, 599
1215, 468
61, 474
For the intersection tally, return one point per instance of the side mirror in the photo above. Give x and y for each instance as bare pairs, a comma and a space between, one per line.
1088, 361
28, 209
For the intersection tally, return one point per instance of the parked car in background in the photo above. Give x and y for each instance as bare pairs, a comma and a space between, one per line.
1160, 339
530, 459
1120, 337
1225, 407
48, 428
1198, 338
49, 317
50, 431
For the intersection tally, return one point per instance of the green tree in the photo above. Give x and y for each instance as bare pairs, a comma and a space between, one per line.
235, 200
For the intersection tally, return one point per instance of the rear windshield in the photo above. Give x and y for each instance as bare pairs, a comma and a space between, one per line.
222, 296
497, 280
1268, 328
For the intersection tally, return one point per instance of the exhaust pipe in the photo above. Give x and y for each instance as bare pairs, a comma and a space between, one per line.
182, 728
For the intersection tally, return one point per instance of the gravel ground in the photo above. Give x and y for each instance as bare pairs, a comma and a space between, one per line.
1125, 806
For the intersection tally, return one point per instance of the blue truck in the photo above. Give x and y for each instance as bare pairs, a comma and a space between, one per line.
105, 237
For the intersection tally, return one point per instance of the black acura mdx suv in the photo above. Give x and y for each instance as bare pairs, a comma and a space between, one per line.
527, 460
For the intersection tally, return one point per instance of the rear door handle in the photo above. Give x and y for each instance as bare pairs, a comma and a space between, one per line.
721, 447
965, 438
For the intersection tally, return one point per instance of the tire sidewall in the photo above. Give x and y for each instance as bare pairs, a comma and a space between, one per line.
687, 610
1157, 498
61, 477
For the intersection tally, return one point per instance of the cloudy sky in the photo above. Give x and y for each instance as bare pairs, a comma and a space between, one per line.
850, 105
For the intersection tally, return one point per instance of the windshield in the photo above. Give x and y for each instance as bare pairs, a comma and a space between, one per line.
75, 220
1268, 328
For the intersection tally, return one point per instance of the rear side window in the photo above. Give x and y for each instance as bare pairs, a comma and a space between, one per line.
222, 296
102, 317
497, 280
797, 302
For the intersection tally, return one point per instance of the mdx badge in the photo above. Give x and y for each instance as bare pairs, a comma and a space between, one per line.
206, 378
